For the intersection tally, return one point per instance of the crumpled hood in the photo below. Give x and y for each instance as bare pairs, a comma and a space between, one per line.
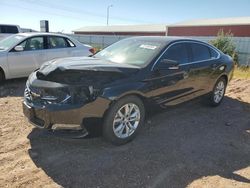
81, 69
83, 63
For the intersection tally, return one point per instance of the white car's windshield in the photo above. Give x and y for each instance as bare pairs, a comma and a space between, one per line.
131, 51
10, 41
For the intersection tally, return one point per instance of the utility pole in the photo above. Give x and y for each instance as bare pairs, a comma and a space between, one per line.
108, 13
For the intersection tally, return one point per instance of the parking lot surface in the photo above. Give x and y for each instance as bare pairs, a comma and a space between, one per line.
190, 145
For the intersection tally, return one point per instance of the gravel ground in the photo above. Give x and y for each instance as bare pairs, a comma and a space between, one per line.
190, 145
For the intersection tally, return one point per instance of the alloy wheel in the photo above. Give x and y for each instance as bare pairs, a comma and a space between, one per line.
126, 120
219, 91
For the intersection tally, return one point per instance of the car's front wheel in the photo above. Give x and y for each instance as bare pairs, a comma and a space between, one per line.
2, 78
218, 92
123, 120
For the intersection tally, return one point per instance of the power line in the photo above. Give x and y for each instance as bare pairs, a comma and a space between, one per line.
77, 10
46, 12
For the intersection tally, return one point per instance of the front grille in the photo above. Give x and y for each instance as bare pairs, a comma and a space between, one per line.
45, 96
32, 94
27, 94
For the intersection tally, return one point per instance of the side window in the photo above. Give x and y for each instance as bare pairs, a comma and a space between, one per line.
35, 43
177, 52
71, 44
213, 53
23, 44
200, 52
57, 42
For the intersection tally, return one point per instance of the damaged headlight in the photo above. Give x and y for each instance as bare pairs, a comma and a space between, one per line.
61, 95
56, 96
83, 94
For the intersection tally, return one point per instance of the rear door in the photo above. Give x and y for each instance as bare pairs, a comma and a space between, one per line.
22, 63
59, 47
204, 61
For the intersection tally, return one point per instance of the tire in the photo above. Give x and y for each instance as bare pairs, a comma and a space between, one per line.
2, 77
120, 127
218, 92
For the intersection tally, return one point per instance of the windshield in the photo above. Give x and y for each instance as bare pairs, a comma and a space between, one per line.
10, 41
132, 51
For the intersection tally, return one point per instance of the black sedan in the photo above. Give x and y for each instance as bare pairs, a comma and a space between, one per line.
117, 83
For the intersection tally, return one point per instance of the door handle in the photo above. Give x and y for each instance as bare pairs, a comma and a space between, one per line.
41, 54
173, 67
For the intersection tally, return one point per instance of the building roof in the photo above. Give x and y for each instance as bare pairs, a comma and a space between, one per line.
28, 30
156, 28
215, 22
124, 28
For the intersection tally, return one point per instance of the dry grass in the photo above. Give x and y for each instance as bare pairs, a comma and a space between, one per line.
242, 73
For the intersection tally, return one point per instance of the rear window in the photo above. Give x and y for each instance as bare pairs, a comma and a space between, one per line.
70, 43
57, 42
200, 52
8, 29
213, 53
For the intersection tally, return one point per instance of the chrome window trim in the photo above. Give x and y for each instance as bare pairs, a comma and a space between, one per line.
193, 62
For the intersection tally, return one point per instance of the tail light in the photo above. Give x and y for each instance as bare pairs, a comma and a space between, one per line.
92, 50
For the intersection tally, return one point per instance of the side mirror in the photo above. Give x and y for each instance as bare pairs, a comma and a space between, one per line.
169, 64
19, 48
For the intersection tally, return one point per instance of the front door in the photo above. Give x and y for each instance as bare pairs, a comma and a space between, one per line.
169, 81
22, 63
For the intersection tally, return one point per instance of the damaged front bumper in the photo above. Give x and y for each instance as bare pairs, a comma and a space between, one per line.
52, 115
46, 117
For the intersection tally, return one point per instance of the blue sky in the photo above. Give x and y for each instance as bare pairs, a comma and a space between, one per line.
66, 15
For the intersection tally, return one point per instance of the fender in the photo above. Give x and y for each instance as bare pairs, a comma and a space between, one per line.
4, 64
120, 91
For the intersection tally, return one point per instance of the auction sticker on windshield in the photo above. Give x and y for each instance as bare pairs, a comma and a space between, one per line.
150, 47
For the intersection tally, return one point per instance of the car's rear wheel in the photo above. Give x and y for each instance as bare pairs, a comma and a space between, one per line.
218, 92
123, 120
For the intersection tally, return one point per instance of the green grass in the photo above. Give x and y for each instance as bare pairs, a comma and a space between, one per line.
242, 72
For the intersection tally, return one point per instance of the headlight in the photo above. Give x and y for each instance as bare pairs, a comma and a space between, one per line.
74, 95
81, 95
56, 96
62, 95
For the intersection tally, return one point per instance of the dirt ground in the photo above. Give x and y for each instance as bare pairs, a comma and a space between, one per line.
190, 145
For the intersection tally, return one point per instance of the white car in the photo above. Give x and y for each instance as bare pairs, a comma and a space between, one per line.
23, 53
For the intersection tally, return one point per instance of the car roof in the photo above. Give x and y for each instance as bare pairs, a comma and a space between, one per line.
31, 34
166, 39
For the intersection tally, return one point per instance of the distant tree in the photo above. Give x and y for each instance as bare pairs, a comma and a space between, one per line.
225, 43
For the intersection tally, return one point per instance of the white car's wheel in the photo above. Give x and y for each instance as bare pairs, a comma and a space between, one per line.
2, 77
